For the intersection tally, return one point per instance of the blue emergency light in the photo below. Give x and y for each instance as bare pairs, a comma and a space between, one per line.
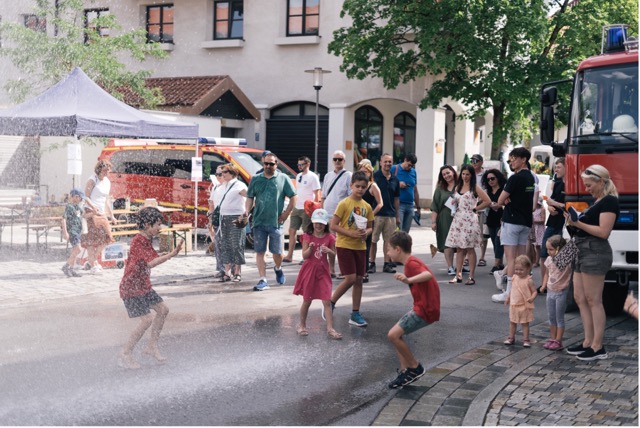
613, 38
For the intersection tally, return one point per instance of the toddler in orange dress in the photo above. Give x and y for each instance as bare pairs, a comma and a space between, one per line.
520, 300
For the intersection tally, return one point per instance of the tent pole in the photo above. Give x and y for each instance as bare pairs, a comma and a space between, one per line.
195, 211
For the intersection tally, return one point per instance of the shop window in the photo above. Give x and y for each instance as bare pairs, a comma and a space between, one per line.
368, 135
404, 136
303, 17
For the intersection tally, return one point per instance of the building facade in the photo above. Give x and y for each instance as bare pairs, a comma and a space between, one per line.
266, 46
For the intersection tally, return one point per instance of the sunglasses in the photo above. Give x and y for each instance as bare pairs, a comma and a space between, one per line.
589, 172
301, 165
474, 161
269, 163
491, 178
338, 159
300, 179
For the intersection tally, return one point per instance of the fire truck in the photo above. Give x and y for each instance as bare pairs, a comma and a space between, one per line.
603, 129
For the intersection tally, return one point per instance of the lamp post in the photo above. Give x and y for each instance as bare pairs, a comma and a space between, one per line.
317, 85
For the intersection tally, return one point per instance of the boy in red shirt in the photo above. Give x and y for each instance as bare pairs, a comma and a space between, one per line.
426, 306
135, 288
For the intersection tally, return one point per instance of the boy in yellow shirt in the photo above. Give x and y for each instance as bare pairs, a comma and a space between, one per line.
352, 222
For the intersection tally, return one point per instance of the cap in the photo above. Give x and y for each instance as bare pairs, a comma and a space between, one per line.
320, 216
76, 192
477, 157
266, 153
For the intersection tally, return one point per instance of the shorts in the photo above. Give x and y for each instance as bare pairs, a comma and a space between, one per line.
299, 218
411, 322
260, 236
351, 261
74, 239
595, 256
141, 305
514, 234
548, 233
385, 226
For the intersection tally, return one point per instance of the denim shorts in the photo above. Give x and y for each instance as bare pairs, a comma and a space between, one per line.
514, 234
141, 305
273, 234
595, 256
74, 239
411, 322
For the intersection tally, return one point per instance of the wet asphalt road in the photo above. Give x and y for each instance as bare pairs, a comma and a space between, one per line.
234, 357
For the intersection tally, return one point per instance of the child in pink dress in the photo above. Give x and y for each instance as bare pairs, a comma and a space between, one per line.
314, 278
520, 300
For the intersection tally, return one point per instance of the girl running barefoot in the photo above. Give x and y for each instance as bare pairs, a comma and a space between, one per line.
135, 288
556, 278
314, 278
520, 300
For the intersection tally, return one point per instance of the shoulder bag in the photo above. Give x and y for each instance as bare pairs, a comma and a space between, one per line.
215, 215
334, 183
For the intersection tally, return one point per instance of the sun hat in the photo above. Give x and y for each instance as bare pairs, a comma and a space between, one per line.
320, 216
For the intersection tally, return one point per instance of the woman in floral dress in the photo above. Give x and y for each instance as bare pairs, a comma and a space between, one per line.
465, 233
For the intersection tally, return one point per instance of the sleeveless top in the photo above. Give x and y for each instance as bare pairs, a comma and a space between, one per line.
369, 198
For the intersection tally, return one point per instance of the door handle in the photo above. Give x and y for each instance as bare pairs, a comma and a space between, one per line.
186, 186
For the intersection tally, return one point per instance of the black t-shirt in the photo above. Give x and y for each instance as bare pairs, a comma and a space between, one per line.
557, 195
493, 218
608, 204
389, 189
520, 187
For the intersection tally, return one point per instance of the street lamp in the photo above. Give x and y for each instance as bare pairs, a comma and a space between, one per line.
317, 85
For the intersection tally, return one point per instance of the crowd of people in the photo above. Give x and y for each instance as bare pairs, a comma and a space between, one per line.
351, 211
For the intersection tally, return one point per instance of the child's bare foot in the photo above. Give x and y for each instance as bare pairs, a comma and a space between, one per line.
334, 334
302, 331
155, 353
128, 362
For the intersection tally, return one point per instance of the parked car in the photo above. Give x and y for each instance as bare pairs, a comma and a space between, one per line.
162, 171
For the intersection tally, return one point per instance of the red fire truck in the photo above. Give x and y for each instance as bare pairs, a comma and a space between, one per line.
603, 129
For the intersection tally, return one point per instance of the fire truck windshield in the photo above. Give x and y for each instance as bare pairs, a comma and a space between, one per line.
605, 106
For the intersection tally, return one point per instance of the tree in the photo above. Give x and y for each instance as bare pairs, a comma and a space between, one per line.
43, 60
488, 54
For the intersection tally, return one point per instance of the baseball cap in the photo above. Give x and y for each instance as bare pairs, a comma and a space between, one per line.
320, 216
76, 192
477, 157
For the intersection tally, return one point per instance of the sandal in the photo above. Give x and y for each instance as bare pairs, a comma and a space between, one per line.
237, 278
224, 278
470, 281
510, 341
334, 334
365, 279
526, 343
482, 262
455, 280
302, 331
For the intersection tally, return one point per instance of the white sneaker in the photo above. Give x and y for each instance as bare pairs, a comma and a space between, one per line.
499, 280
499, 298
451, 271
96, 270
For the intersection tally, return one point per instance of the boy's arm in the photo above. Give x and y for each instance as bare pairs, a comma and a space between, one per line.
161, 259
421, 277
335, 226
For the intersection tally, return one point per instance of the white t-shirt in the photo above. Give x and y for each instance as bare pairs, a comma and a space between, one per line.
100, 192
306, 185
233, 203
341, 190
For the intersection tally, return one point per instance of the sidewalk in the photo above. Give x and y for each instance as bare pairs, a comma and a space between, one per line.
490, 385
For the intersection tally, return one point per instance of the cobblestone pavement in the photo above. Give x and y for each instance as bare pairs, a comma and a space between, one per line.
500, 385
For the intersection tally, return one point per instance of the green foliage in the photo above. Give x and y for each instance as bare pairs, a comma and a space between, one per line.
488, 54
44, 59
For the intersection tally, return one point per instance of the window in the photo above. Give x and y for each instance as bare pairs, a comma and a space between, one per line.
368, 134
404, 136
228, 18
303, 17
35, 23
160, 23
90, 17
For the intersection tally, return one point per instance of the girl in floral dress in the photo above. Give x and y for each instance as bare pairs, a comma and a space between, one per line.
314, 278
465, 233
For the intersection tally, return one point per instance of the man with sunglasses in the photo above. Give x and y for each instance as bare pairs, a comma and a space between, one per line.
406, 174
336, 187
266, 195
307, 188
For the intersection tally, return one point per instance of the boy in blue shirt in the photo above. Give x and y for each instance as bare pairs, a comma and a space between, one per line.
72, 229
409, 197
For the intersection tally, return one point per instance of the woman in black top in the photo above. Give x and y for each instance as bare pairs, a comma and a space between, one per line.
494, 182
555, 204
595, 257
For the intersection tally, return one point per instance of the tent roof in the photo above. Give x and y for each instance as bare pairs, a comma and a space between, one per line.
78, 106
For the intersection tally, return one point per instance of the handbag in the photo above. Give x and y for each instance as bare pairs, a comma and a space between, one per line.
215, 215
567, 255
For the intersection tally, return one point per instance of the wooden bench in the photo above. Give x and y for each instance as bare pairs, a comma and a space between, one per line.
176, 231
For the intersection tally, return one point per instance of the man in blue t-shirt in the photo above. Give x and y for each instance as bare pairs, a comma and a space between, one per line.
406, 174
388, 218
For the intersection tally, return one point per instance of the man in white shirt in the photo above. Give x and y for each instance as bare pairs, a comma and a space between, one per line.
336, 187
476, 162
308, 189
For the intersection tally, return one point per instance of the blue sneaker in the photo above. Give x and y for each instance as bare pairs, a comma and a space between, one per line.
357, 319
261, 286
333, 306
279, 276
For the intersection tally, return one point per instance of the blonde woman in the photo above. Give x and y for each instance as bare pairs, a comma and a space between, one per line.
593, 227
373, 197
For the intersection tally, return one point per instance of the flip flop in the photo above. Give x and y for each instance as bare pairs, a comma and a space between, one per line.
482, 262
303, 331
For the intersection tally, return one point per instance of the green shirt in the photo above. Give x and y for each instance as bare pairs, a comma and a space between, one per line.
73, 217
268, 195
